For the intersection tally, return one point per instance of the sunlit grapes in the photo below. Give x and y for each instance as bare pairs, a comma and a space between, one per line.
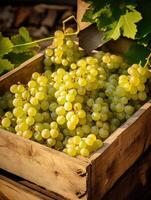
78, 100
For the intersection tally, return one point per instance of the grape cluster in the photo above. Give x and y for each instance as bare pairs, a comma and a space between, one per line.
134, 82
65, 51
78, 101
82, 146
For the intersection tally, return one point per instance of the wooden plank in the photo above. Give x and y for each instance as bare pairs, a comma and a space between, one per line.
81, 8
15, 191
44, 166
120, 151
3, 197
20, 74
51, 194
135, 183
31, 185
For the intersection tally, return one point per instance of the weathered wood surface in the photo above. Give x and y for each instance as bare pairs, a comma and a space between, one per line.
120, 151
54, 196
11, 190
135, 184
46, 167
3, 197
81, 7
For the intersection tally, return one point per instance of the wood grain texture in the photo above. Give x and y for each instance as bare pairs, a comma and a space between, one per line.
90, 38
120, 151
3, 197
81, 8
135, 183
46, 167
12, 190
50, 194
20, 74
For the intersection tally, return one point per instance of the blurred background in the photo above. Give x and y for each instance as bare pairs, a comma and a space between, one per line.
40, 17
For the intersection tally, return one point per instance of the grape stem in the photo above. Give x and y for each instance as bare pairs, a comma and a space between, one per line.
50, 38
64, 26
148, 61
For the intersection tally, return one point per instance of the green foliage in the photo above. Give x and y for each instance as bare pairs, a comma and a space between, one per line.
126, 18
5, 45
137, 53
22, 38
115, 18
19, 58
126, 24
15, 50
5, 65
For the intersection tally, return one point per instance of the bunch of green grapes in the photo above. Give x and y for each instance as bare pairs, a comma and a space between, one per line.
82, 146
113, 62
77, 102
64, 52
134, 83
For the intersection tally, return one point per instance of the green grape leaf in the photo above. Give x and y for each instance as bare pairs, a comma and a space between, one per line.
126, 24
5, 65
88, 16
129, 23
114, 31
5, 45
112, 21
19, 58
137, 53
22, 38
23, 32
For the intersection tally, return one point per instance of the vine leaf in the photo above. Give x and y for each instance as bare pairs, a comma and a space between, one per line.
5, 65
137, 53
5, 45
19, 58
126, 24
22, 38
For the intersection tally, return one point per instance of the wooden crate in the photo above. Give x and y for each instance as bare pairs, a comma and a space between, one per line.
73, 178
14, 188
134, 184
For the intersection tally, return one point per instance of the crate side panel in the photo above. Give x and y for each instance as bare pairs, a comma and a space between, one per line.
120, 151
135, 182
46, 167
